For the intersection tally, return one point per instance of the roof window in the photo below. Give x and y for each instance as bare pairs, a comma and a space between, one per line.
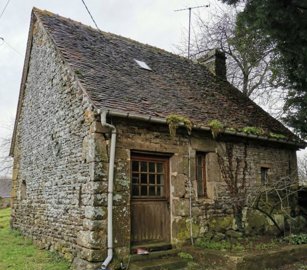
142, 64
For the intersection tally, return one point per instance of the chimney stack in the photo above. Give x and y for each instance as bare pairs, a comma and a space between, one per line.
215, 61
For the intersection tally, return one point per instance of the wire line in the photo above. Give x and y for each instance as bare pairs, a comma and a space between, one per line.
88, 11
10, 46
7, 3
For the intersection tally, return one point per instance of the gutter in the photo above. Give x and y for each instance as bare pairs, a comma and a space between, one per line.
112, 128
158, 120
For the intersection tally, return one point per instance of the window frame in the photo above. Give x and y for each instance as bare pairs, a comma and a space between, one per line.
264, 175
201, 184
154, 159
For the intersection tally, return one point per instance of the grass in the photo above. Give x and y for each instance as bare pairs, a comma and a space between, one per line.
18, 252
251, 244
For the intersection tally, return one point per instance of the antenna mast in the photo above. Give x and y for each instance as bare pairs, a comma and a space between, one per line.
190, 14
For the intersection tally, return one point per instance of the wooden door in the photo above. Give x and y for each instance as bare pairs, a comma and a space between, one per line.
150, 214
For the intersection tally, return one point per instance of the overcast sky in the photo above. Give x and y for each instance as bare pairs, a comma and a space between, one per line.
149, 21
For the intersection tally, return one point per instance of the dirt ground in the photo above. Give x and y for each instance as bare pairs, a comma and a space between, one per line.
302, 265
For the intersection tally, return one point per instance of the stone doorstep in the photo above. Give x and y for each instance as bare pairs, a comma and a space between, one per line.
154, 255
172, 263
153, 247
157, 260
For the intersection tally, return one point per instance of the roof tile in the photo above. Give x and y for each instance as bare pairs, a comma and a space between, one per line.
112, 79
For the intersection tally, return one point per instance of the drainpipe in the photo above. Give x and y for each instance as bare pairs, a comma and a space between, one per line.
110, 189
190, 199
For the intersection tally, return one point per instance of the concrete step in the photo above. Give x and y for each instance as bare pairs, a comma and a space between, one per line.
154, 255
159, 246
169, 263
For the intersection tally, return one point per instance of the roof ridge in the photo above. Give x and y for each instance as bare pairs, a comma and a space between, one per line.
107, 34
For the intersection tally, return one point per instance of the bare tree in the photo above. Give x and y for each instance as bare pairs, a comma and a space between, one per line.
6, 162
234, 172
250, 56
302, 170
278, 197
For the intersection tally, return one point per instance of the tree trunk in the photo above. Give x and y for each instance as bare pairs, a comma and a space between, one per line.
238, 215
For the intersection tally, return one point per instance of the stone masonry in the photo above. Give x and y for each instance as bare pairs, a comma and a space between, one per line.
154, 138
55, 179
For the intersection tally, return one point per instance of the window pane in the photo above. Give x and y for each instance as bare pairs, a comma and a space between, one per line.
199, 174
200, 187
152, 179
135, 166
199, 161
152, 191
143, 178
264, 175
152, 167
143, 190
135, 178
159, 167
148, 177
161, 191
135, 190
143, 166
160, 179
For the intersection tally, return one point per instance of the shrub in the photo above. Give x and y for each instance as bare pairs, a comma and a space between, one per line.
174, 121
297, 239
216, 127
185, 255
217, 245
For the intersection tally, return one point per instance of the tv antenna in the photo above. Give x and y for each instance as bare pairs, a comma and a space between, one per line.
190, 14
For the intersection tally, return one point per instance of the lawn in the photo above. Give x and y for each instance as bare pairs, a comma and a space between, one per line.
18, 253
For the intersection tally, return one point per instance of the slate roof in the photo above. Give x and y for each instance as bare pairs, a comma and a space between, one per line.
105, 66
5, 187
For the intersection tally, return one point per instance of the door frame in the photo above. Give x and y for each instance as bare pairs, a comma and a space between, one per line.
154, 157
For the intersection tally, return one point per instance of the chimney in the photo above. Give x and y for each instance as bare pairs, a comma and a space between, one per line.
215, 61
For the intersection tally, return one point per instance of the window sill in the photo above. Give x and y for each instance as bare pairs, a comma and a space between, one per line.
205, 199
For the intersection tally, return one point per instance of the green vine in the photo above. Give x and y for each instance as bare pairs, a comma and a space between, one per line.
277, 135
175, 120
216, 127
253, 130
231, 129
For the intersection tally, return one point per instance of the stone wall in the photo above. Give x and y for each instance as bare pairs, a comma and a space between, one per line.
54, 180
208, 212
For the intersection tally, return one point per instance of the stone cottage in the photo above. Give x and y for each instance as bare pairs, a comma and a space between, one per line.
96, 170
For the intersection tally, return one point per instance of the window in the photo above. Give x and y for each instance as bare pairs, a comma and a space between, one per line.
23, 190
201, 174
142, 64
264, 175
149, 176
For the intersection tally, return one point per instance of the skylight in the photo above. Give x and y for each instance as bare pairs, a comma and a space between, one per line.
142, 64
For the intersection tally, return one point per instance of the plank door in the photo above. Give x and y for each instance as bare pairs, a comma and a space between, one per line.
150, 213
